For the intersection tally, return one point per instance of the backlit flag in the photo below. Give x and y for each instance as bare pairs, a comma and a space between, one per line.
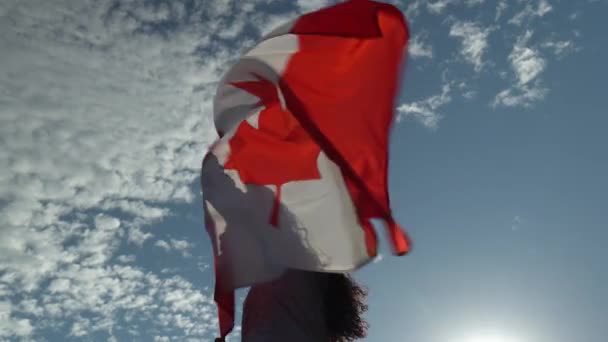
301, 164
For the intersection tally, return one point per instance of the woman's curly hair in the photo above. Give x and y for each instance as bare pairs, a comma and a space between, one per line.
344, 308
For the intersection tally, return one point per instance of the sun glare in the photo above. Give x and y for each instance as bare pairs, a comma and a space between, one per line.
490, 338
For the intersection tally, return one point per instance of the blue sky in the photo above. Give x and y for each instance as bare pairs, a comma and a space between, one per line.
498, 168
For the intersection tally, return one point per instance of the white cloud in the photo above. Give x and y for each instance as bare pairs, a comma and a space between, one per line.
104, 119
126, 258
80, 327
105, 222
529, 12
181, 246
474, 41
163, 244
31, 307
560, 47
202, 265
469, 94
425, 111
437, 6
412, 10
136, 208
519, 96
106, 292
527, 64
418, 48
500, 8
136, 235
93, 115
466, 91
526, 61
59, 285
10, 326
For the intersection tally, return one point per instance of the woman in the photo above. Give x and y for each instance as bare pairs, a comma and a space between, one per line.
304, 306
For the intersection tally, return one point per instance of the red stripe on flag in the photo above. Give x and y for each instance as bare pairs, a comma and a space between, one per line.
342, 92
356, 18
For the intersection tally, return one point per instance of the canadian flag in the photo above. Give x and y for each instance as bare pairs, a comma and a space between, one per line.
301, 164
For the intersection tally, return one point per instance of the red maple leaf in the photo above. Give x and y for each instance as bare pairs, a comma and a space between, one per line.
278, 151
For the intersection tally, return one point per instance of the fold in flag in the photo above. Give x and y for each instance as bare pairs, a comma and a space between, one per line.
301, 164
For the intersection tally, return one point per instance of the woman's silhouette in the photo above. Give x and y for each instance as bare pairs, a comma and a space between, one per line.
303, 306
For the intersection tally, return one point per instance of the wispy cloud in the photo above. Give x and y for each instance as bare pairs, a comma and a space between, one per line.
500, 8
525, 60
560, 48
519, 96
126, 258
543, 7
418, 47
426, 111
437, 6
527, 64
466, 91
181, 246
412, 9
163, 244
474, 41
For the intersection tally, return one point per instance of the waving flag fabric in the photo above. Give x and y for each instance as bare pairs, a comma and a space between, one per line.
301, 164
